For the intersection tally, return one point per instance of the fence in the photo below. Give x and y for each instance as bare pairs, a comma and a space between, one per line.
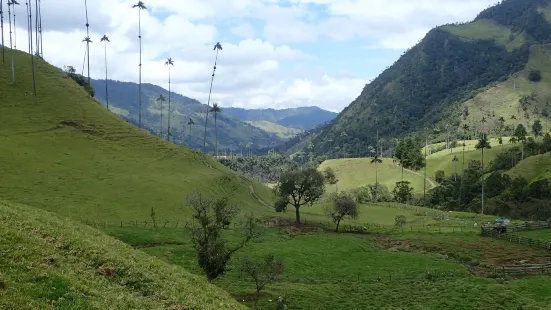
527, 268
536, 243
488, 230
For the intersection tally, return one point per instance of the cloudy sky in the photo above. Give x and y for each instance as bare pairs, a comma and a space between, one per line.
277, 53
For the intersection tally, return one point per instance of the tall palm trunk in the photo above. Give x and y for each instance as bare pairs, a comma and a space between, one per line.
140, 70
162, 119
14, 29
169, 106
483, 181
2, 30
40, 27
11, 47
32, 54
425, 176
216, 133
106, 87
28, 28
87, 42
36, 27
208, 104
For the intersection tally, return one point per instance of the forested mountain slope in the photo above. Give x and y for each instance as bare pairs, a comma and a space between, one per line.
304, 118
426, 90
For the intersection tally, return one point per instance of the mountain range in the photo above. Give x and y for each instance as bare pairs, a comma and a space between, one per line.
236, 127
473, 74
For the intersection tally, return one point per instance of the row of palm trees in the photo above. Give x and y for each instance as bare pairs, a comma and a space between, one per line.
11, 5
169, 63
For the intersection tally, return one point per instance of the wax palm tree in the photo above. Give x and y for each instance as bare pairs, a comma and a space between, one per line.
483, 144
216, 109
140, 5
13, 4
249, 145
88, 40
190, 123
105, 40
161, 100
217, 48
31, 50
40, 27
455, 160
2, 30
465, 128
241, 147
376, 160
10, 4
169, 62
343, 136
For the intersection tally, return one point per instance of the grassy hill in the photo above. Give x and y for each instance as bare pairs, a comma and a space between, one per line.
457, 74
281, 131
70, 155
304, 118
533, 168
49, 262
232, 131
358, 172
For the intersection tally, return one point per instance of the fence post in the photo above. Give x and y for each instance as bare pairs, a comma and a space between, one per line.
121, 223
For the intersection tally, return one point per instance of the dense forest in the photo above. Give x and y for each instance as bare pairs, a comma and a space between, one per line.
302, 118
424, 88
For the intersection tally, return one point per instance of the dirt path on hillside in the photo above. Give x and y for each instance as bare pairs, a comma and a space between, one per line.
260, 200
431, 182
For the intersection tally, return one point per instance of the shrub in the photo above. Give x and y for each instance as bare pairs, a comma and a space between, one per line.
535, 76
361, 194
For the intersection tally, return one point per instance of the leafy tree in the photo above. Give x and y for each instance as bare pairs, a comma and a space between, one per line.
409, 154
537, 128
379, 192
170, 63
140, 6
520, 133
439, 176
403, 192
105, 39
211, 216
343, 206
298, 188
217, 48
330, 177
262, 273
535, 76
80, 80
400, 221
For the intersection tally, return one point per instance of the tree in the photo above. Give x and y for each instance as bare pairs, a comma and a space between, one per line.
537, 129
403, 192
409, 155
216, 109
217, 48
12, 3
161, 100
299, 188
31, 50
262, 273
535, 76
343, 206
88, 41
88, 37
376, 160
520, 135
482, 145
400, 221
190, 123
211, 217
170, 63
455, 160
141, 6
330, 177
39, 34
105, 39
2, 30
343, 137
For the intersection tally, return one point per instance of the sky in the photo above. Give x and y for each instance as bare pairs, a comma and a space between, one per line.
276, 53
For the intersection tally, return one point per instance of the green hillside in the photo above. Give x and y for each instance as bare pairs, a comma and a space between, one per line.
70, 155
52, 263
533, 168
123, 100
281, 131
304, 118
438, 85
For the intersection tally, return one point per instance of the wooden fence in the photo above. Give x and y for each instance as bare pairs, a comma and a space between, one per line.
527, 268
525, 226
536, 243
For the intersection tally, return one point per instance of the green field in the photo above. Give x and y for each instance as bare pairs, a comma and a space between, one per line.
69, 155
48, 262
533, 168
541, 234
279, 130
358, 172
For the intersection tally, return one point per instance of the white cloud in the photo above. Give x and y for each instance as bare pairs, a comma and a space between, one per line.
263, 68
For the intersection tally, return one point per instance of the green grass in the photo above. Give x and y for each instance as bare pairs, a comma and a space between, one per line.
279, 130
69, 155
358, 172
334, 271
48, 262
487, 29
533, 168
541, 234
502, 99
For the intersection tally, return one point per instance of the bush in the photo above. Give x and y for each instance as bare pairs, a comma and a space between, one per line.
439, 176
535, 76
379, 193
361, 194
